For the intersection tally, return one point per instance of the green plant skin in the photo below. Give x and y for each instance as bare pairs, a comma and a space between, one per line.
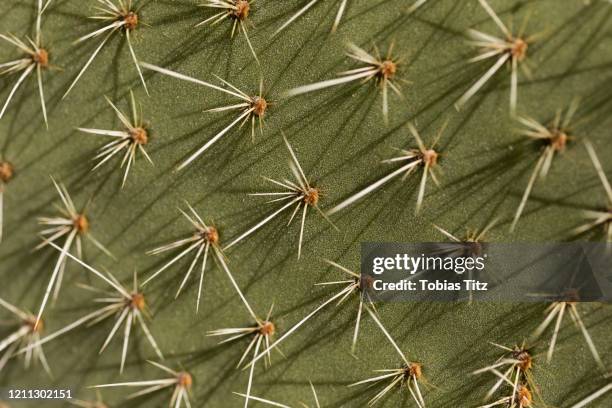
340, 139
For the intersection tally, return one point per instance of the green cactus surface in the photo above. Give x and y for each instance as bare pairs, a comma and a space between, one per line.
340, 138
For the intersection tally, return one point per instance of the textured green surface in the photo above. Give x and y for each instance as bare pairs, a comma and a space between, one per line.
340, 139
